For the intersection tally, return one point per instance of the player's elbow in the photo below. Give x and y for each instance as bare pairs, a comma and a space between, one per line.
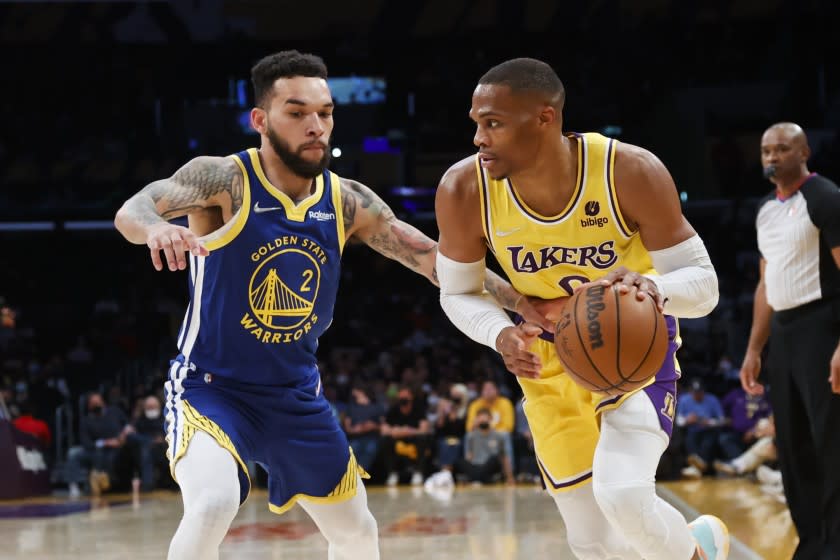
708, 295
122, 223
712, 291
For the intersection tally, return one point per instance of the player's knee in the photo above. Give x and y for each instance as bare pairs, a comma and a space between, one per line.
361, 528
213, 505
624, 504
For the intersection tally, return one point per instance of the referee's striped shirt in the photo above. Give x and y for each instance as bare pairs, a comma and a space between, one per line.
795, 237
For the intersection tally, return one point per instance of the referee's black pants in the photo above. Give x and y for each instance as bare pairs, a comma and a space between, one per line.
807, 417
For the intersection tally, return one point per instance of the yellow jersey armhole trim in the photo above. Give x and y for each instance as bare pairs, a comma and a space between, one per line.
613, 196
294, 212
484, 205
344, 490
335, 185
241, 216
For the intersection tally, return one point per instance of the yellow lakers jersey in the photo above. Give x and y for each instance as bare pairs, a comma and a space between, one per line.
548, 256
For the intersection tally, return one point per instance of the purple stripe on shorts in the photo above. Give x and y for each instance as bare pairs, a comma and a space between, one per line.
578, 480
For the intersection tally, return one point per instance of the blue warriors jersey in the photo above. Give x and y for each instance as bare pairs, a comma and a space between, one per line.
265, 293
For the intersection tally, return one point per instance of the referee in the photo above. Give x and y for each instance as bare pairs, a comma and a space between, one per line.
797, 306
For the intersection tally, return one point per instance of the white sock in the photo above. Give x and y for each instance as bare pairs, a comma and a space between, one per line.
624, 471
209, 481
348, 526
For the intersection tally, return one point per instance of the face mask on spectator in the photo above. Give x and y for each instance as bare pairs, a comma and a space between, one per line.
405, 402
96, 410
484, 425
152, 413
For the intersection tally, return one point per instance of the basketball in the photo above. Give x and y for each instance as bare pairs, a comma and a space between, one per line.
611, 343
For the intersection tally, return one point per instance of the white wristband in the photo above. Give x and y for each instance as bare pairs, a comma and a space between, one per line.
467, 304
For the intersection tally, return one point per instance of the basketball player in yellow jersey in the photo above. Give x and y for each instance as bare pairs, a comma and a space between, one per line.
559, 211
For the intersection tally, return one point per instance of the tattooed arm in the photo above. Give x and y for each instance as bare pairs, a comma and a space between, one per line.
371, 221
203, 183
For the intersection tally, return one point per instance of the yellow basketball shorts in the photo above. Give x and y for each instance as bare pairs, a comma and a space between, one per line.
564, 418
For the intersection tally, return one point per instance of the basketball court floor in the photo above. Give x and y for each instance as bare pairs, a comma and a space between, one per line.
487, 523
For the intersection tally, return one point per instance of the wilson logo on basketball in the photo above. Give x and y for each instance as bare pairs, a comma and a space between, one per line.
594, 306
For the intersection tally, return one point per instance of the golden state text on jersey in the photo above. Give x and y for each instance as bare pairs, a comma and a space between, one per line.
266, 292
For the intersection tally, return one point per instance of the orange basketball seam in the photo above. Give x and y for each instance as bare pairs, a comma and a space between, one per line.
652, 340
588, 357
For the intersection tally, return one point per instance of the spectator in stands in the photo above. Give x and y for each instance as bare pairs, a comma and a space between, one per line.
701, 415
742, 412
27, 423
526, 457
103, 433
149, 443
500, 407
406, 437
485, 457
501, 412
362, 422
450, 422
761, 451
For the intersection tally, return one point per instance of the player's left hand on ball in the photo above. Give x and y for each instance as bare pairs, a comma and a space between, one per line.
543, 312
626, 280
513, 343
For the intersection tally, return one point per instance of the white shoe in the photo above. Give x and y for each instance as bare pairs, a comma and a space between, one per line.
417, 479
691, 472
441, 479
393, 479
773, 489
766, 475
75, 493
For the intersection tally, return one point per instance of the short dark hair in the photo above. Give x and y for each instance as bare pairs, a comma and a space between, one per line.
284, 64
527, 75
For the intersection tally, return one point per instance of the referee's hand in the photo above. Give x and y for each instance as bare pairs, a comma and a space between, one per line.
749, 373
834, 378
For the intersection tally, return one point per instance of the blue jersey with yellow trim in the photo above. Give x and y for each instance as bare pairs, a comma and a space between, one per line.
266, 292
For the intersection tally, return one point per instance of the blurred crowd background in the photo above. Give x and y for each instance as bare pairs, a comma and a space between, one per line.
101, 98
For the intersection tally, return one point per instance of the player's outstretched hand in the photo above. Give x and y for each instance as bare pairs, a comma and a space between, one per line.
750, 369
626, 280
174, 241
543, 312
834, 378
513, 343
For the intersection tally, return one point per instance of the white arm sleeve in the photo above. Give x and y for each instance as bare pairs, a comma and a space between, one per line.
464, 300
687, 278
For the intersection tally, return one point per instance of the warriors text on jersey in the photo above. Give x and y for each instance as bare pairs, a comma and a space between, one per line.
261, 299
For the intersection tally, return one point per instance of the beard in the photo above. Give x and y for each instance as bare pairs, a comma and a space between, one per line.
294, 161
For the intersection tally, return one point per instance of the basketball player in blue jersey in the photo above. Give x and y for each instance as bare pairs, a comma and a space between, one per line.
266, 230
560, 211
